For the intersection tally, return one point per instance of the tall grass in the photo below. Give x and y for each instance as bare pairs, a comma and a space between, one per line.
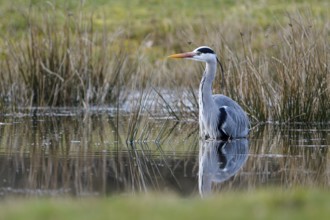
280, 76
63, 64
278, 72
289, 82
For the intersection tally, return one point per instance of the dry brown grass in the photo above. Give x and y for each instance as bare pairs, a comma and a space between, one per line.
277, 74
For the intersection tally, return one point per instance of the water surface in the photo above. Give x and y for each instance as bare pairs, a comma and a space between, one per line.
100, 154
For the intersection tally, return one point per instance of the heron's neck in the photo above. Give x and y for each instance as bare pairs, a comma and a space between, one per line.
205, 88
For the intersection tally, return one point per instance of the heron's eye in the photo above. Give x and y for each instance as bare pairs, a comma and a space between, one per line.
198, 53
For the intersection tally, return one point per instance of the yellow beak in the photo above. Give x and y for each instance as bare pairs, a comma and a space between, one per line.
182, 55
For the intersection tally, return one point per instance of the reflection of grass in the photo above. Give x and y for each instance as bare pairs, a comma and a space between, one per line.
271, 204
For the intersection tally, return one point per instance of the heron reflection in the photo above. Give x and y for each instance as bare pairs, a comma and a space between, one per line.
218, 161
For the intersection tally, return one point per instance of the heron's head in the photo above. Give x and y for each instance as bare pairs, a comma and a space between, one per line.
203, 53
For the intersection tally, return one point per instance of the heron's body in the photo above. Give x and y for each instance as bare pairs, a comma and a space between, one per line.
220, 117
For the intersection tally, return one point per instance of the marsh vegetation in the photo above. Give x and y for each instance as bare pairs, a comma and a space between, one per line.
86, 54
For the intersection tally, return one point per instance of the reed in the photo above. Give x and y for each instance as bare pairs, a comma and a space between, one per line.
63, 64
278, 72
283, 77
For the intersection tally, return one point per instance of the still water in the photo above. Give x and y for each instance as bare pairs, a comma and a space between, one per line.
100, 154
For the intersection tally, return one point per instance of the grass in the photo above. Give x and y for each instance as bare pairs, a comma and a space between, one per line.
87, 53
271, 204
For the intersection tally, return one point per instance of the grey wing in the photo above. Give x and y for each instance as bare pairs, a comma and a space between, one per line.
236, 123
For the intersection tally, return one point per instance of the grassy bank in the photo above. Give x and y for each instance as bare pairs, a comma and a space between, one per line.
70, 53
271, 204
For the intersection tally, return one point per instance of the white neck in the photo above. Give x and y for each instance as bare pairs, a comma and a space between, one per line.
205, 87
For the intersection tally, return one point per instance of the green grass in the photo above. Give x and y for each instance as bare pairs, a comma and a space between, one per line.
271, 204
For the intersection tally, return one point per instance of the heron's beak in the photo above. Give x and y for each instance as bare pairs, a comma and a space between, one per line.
182, 55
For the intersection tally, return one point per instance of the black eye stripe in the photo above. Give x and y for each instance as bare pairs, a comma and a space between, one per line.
205, 50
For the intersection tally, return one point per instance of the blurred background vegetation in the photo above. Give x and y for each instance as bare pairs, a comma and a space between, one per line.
270, 204
159, 21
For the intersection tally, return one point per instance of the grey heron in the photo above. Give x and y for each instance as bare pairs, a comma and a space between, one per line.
220, 117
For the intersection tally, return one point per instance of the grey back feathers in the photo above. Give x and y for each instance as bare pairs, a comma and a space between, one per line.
235, 123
